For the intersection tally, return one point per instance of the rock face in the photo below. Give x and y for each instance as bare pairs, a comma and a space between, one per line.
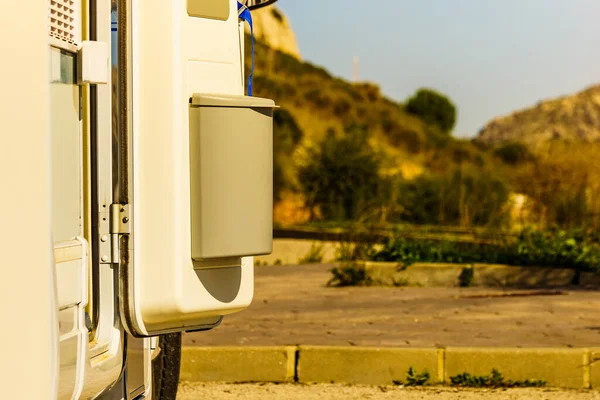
272, 26
571, 118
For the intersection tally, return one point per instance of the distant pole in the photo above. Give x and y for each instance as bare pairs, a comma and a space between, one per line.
356, 69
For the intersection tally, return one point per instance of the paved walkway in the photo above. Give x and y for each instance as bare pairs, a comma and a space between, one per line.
293, 306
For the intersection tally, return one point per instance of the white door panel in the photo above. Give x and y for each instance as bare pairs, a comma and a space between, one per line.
167, 291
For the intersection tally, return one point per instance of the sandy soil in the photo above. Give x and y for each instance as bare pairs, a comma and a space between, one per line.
340, 392
293, 306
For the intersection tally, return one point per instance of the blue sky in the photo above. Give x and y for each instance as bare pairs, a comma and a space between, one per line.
490, 57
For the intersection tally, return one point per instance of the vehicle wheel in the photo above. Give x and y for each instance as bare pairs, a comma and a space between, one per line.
165, 367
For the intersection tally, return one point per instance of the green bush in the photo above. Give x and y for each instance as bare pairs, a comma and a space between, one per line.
513, 153
433, 108
341, 178
341, 107
494, 381
350, 274
372, 92
558, 248
421, 200
318, 99
466, 277
400, 136
414, 378
409, 251
350, 90
552, 249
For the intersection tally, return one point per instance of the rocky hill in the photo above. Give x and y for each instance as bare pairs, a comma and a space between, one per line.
574, 118
272, 27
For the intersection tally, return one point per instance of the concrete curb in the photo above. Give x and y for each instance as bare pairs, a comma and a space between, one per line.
564, 368
290, 251
238, 364
487, 275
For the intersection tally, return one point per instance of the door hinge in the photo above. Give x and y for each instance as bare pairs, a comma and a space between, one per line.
119, 219
105, 238
113, 223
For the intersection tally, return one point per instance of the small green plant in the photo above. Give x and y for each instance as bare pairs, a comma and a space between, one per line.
495, 380
278, 262
466, 277
314, 255
413, 378
350, 274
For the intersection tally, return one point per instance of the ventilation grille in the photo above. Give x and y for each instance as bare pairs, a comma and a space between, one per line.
64, 21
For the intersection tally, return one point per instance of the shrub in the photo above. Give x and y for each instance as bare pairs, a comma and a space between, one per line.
266, 87
341, 177
495, 380
400, 136
552, 249
558, 248
409, 251
433, 108
466, 277
341, 107
351, 90
421, 200
371, 91
413, 378
350, 274
317, 98
513, 153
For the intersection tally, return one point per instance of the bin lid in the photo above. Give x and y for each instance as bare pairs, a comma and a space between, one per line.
226, 100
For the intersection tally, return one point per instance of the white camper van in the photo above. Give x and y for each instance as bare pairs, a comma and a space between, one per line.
137, 187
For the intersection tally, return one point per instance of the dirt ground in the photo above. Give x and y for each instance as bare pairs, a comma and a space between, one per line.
341, 392
292, 306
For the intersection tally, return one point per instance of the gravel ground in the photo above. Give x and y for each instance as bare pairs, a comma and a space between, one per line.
340, 392
292, 306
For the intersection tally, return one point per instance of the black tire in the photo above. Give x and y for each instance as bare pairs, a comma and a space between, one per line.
165, 368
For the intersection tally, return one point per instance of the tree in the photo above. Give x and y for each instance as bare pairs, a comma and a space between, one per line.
341, 177
433, 108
